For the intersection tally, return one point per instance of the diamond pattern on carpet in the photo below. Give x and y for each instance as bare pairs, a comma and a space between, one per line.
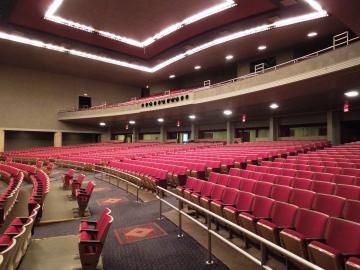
111, 201
139, 233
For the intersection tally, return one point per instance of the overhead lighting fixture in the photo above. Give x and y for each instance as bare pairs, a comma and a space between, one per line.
229, 57
227, 112
147, 86
160, 120
85, 94
274, 106
197, 67
318, 13
132, 122
192, 117
262, 47
312, 34
172, 76
54, 7
351, 94
102, 124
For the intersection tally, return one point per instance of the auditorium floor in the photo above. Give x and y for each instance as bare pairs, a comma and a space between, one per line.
137, 239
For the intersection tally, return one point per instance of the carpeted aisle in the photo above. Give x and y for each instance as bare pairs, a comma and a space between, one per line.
137, 240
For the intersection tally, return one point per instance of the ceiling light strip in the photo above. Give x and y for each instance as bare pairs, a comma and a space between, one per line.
251, 31
54, 7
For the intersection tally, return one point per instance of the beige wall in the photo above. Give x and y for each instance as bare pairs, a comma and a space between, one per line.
30, 99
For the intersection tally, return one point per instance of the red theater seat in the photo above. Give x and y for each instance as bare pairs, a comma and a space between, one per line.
228, 198
341, 240
322, 187
309, 225
302, 198
351, 210
215, 195
83, 197
281, 193
234, 182
348, 192
243, 203
260, 209
353, 263
282, 217
262, 189
328, 204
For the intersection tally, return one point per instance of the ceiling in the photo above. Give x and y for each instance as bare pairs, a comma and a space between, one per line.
140, 19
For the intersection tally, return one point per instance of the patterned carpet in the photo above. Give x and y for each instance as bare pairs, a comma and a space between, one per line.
137, 240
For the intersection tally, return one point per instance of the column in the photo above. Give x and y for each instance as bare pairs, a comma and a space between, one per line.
163, 133
229, 132
135, 135
58, 139
105, 136
2, 140
194, 135
273, 129
333, 127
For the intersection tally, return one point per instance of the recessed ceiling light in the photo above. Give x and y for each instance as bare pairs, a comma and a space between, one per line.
85, 94
103, 124
147, 86
132, 122
352, 93
172, 76
160, 120
192, 116
262, 47
197, 67
228, 112
274, 106
312, 34
229, 57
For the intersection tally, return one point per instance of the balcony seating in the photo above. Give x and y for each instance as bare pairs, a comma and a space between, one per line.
83, 197
309, 225
91, 242
341, 240
282, 217
67, 177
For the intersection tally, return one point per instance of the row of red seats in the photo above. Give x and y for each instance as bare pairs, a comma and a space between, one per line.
176, 174
249, 179
152, 177
276, 219
9, 196
92, 236
320, 163
329, 204
16, 239
307, 171
83, 196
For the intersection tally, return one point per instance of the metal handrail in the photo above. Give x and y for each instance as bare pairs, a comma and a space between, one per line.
138, 180
294, 61
264, 243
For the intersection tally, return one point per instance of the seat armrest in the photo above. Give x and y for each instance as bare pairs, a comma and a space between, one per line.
89, 230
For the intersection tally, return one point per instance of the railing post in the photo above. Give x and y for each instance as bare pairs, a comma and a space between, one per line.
160, 204
181, 205
210, 260
263, 251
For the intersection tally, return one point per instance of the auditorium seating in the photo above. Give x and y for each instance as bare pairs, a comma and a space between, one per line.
76, 184
67, 177
353, 263
91, 241
341, 240
309, 225
91, 224
16, 239
83, 197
